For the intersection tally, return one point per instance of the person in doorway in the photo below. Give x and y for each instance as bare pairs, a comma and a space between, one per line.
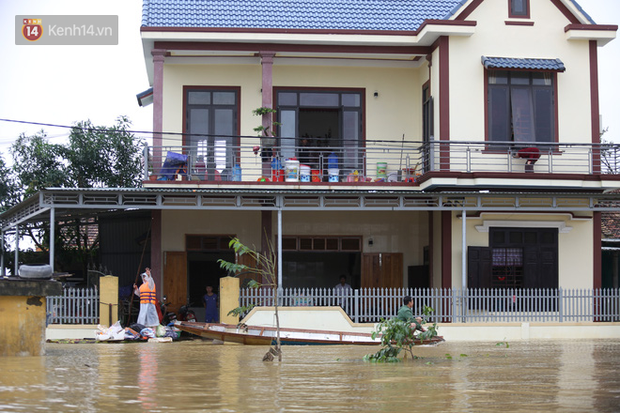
342, 289
405, 313
148, 312
210, 302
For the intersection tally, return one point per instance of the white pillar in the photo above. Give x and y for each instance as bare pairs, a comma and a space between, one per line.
280, 248
52, 236
464, 252
2, 269
15, 271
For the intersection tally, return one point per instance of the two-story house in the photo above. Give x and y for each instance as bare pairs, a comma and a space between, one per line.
412, 143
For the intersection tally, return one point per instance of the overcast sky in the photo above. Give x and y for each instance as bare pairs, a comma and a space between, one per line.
65, 84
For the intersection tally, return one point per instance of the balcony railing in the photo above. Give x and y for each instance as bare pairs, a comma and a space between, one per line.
378, 161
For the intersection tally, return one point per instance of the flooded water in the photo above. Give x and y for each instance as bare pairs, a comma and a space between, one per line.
198, 376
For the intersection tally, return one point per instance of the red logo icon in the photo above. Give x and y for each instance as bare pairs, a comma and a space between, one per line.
32, 29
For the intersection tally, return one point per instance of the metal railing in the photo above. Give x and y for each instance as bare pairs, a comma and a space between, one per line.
455, 305
74, 306
376, 161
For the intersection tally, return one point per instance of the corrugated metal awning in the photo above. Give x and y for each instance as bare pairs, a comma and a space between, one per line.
555, 65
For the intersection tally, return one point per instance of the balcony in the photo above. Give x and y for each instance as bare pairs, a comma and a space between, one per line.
379, 163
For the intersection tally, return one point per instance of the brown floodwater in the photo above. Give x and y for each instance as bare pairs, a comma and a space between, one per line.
198, 376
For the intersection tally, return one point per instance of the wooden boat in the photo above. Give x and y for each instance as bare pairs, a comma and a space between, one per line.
258, 335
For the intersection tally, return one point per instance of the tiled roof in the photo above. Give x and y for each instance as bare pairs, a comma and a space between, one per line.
297, 14
514, 63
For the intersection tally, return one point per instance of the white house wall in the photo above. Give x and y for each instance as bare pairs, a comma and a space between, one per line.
545, 39
575, 251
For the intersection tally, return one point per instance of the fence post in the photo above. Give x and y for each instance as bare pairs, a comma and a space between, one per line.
356, 307
108, 298
229, 299
560, 305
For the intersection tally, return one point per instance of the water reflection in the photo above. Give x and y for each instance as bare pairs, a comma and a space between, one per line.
198, 376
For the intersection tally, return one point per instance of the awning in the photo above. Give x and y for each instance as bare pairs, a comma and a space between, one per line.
554, 65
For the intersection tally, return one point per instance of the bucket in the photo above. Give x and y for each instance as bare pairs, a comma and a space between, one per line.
381, 170
291, 170
333, 174
315, 175
304, 173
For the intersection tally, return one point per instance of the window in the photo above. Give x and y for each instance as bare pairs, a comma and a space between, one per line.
211, 125
519, 8
521, 106
317, 123
515, 258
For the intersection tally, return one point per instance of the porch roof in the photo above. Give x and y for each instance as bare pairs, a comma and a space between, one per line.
83, 202
294, 14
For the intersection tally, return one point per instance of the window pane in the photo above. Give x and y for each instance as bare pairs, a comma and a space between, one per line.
497, 237
498, 77
287, 99
519, 78
199, 98
518, 7
223, 98
198, 124
499, 113
351, 141
287, 133
531, 238
319, 99
351, 100
544, 112
223, 122
541, 79
522, 114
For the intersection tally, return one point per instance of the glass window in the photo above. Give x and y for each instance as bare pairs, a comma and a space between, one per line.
351, 100
211, 120
521, 106
287, 99
518, 8
319, 99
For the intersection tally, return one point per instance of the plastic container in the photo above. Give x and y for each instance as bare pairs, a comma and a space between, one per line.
291, 170
332, 161
304, 173
381, 170
333, 175
315, 175
277, 172
236, 173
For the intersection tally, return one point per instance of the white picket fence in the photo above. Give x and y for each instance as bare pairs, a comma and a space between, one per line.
455, 305
74, 306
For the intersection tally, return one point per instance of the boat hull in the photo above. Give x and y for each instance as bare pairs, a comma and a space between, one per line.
256, 335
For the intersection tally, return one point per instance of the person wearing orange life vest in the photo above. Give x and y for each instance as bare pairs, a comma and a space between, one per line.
148, 312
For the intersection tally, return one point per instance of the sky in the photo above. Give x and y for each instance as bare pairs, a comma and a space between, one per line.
62, 85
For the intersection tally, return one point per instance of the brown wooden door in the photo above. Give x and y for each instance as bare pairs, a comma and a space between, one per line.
175, 279
382, 270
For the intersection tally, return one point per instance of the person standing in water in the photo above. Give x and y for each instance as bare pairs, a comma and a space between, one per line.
148, 316
210, 302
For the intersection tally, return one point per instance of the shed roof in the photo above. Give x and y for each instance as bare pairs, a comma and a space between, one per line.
527, 63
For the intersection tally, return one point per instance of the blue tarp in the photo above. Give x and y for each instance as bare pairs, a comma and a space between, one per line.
175, 163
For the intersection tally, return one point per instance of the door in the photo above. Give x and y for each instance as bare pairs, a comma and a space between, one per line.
175, 279
382, 270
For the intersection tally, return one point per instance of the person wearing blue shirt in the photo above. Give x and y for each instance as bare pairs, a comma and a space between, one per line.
210, 302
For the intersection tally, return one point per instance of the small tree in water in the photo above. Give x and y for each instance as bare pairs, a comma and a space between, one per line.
265, 267
396, 336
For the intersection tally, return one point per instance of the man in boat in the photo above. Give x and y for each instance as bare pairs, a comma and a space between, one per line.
405, 313
148, 312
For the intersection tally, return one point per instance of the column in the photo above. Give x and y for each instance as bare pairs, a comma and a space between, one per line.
158, 104
267, 102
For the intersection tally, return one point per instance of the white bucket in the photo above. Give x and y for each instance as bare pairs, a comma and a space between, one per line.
333, 175
304, 173
291, 170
